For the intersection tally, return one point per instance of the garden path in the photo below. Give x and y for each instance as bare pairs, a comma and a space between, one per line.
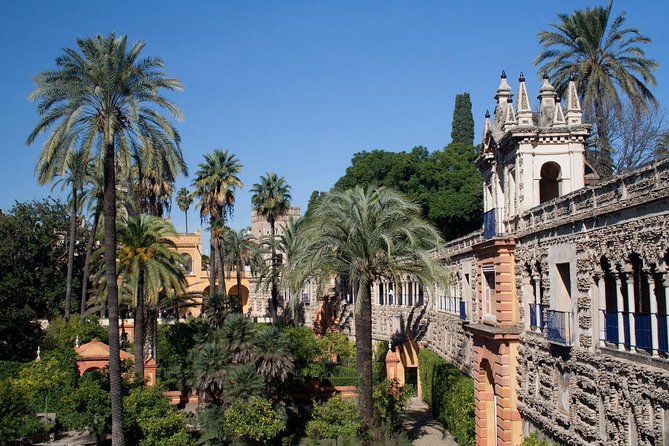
422, 428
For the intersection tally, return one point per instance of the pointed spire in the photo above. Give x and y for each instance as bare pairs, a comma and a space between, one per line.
546, 97
502, 95
524, 111
510, 118
558, 116
572, 104
486, 124
504, 90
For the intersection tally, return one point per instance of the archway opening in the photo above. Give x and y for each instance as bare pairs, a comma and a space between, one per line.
549, 185
241, 296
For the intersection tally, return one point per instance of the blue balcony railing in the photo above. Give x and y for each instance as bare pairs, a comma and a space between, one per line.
559, 324
533, 316
643, 330
489, 226
463, 310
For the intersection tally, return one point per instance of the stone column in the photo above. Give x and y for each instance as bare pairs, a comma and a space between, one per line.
630, 306
601, 298
537, 299
654, 345
665, 284
620, 306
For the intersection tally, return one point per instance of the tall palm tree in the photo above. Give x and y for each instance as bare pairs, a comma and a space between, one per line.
215, 183
607, 59
93, 195
72, 172
271, 199
184, 200
240, 246
366, 235
103, 97
148, 261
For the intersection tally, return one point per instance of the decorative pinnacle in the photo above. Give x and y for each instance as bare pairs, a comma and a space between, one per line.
545, 74
572, 76
487, 114
509, 100
503, 74
522, 77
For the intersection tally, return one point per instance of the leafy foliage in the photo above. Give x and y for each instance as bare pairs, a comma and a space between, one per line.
389, 401
379, 364
254, 420
335, 418
88, 406
445, 183
148, 419
17, 417
534, 440
307, 353
450, 395
62, 334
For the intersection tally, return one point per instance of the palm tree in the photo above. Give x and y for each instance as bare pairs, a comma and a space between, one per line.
238, 333
607, 60
93, 194
184, 200
272, 358
102, 97
210, 367
72, 172
148, 261
240, 246
241, 383
271, 199
215, 182
366, 235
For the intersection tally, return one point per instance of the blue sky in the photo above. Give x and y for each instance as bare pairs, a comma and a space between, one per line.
296, 87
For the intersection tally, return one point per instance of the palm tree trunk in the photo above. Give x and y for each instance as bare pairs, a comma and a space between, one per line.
186, 213
70, 254
139, 326
212, 263
274, 288
363, 345
87, 262
221, 266
112, 296
240, 268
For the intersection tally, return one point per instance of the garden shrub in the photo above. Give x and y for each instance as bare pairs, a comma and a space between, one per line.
17, 417
307, 354
389, 401
379, 363
335, 418
255, 420
342, 375
11, 369
87, 407
62, 334
534, 440
450, 395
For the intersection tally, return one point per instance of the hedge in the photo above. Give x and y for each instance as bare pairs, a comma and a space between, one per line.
450, 395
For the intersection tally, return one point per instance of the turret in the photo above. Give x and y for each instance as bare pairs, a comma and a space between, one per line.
573, 104
547, 97
524, 112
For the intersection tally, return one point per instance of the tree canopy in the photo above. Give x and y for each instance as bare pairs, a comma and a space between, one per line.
445, 183
463, 121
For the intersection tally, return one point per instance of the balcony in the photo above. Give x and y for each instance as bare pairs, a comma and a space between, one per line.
559, 325
533, 316
646, 337
463, 310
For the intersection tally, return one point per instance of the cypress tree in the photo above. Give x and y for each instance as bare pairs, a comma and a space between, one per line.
463, 121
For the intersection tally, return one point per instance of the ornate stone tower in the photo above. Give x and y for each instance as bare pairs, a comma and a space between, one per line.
528, 158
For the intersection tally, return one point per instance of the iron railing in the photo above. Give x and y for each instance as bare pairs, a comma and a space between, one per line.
643, 330
463, 310
533, 316
559, 324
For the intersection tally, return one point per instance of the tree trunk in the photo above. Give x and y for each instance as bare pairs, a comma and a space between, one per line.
212, 263
221, 266
112, 296
363, 346
138, 340
70, 253
240, 268
87, 261
186, 213
274, 287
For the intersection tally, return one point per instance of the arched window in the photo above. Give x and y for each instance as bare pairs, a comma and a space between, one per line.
187, 264
549, 185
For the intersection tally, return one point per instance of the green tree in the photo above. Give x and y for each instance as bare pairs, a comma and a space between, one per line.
240, 246
607, 60
463, 121
335, 418
103, 97
17, 417
271, 199
72, 171
215, 183
255, 420
378, 234
210, 367
149, 264
33, 261
241, 383
184, 200
272, 357
87, 407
